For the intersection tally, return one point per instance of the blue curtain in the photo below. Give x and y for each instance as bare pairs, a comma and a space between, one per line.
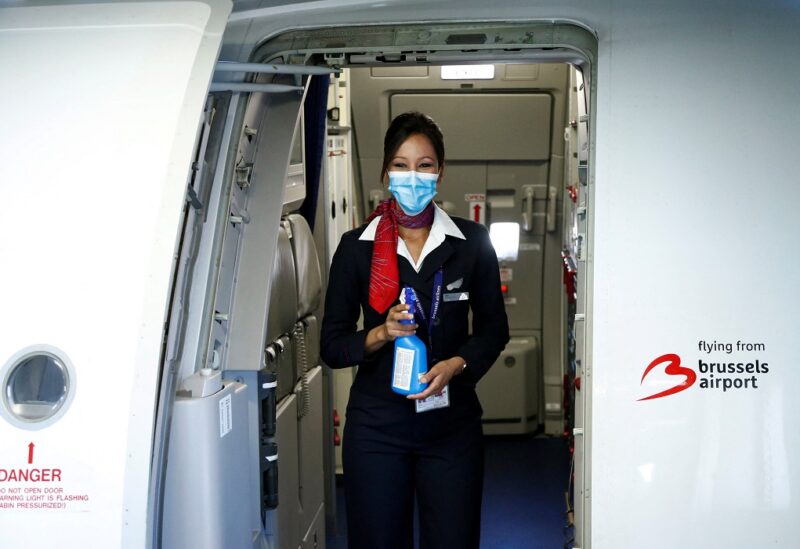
315, 112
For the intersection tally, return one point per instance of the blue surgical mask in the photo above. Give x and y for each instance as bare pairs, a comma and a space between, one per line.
413, 190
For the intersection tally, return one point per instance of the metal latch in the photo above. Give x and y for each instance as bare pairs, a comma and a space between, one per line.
243, 172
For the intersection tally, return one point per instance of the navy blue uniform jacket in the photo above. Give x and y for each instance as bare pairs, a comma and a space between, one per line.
473, 262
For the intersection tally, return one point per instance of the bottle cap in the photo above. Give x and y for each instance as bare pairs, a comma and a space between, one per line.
407, 298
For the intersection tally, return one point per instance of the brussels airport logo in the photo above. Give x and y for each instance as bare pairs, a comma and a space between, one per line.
673, 368
713, 373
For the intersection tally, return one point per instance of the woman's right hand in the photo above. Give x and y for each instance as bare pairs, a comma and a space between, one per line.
393, 328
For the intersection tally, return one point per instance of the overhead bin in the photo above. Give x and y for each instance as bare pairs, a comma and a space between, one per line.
513, 126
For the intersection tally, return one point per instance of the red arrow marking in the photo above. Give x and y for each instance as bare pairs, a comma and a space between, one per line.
30, 452
477, 209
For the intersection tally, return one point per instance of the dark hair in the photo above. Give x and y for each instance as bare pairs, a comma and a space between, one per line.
404, 126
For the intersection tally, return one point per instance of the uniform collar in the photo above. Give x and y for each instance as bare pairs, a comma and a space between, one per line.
442, 226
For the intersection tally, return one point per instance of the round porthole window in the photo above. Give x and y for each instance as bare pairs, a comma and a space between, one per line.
38, 384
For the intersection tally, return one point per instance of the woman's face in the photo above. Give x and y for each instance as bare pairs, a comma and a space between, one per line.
415, 154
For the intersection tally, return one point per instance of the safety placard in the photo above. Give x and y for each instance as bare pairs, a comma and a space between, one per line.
225, 416
34, 485
477, 207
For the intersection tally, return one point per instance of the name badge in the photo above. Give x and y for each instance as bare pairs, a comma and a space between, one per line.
456, 296
434, 402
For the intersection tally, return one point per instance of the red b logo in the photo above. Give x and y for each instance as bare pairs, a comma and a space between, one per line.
674, 368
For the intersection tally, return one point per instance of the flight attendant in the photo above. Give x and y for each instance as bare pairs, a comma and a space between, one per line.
427, 446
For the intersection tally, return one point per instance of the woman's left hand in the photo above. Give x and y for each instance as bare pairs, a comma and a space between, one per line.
439, 376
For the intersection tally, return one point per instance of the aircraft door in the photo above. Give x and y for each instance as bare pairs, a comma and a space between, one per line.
517, 194
98, 131
253, 333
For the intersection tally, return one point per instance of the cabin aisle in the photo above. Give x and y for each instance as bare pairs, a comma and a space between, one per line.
523, 495
523, 500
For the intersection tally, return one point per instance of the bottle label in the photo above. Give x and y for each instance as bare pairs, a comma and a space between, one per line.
403, 366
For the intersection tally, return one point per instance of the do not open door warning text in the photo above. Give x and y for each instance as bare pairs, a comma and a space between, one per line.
33, 486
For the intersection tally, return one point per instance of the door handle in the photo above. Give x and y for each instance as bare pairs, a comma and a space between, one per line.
552, 199
527, 213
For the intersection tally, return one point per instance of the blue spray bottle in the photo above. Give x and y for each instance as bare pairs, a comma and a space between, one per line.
410, 355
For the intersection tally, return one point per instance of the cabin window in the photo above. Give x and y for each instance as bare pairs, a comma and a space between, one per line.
36, 389
505, 239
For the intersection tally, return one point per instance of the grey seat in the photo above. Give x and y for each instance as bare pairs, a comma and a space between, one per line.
309, 290
282, 315
309, 387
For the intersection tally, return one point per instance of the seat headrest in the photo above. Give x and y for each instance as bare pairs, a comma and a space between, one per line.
307, 268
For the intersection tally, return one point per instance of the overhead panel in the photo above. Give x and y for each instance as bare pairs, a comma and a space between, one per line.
486, 126
399, 72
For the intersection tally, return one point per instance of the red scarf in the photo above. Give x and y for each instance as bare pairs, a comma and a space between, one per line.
384, 278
